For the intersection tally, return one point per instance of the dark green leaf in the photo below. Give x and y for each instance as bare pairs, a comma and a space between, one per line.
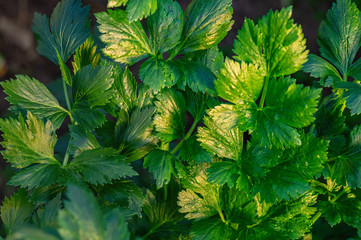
352, 95
290, 169
224, 172
198, 77
320, 68
33, 96
99, 166
209, 229
39, 175
47, 216
93, 85
87, 117
339, 35
161, 164
155, 74
69, 28
191, 150
347, 167
136, 138
116, 226
82, 217
165, 26
329, 120
81, 140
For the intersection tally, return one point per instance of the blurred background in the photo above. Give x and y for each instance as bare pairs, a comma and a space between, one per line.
18, 55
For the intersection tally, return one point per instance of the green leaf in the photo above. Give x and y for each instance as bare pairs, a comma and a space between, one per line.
196, 207
329, 119
139, 9
28, 142
288, 106
135, 137
170, 118
320, 68
347, 167
224, 172
211, 228
346, 208
30, 94
125, 42
165, 26
116, 226
39, 175
212, 58
287, 220
219, 139
239, 83
161, 164
155, 74
86, 116
161, 212
93, 85
48, 215
275, 44
69, 28
197, 76
99, 166
82, 217
16, 210
191, 150
352, 95
206, 23
126, 194
116, 3
125, 88
197, 103
339, 35
289, 170
81, 140
85, 55
200, 199
31, 233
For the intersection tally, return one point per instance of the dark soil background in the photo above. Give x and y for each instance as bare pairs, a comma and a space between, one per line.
18, 48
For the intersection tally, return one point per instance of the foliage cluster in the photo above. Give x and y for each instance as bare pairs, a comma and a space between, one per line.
201, 146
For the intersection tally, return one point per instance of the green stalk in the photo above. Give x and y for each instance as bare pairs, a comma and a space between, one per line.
66, 95
316, 217
338, 195
189, 133
264, 93
66, 157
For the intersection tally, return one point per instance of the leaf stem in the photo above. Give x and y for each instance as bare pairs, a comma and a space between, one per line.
316, 217
264, 92
338, 195
66, 95
152, 230
66, 157
189, 133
